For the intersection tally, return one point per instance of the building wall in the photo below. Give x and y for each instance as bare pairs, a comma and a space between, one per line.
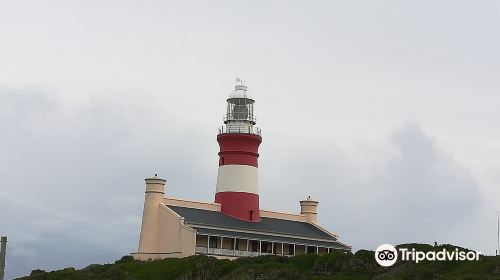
300, 249
202, 241
286, 250
322, 250
226, 243
242, 244
176, 240
176, 236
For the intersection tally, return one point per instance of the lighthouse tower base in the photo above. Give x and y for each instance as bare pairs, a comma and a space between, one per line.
237, 179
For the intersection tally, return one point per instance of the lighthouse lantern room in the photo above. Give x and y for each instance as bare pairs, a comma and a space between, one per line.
239, 116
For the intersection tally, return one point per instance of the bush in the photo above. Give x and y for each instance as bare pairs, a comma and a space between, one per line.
37, 272
125, 259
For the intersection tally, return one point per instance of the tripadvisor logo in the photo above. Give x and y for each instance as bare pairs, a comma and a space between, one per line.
387, 255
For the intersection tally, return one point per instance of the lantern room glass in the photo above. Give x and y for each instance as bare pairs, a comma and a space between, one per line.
240, 109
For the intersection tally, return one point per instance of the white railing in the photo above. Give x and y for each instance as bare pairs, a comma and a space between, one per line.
240, 129
236, 253
227, 252
201, 250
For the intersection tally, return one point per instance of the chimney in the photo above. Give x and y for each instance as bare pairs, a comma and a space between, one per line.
309, 208
3, 249
150, 231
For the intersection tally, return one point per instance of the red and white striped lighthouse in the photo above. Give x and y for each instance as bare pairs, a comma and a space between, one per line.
239, 140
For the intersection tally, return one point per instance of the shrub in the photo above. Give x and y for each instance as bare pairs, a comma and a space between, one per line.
125, 259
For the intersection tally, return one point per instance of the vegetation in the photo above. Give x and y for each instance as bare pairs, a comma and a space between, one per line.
336, 265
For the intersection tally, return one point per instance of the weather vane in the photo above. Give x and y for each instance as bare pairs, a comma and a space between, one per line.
240, 81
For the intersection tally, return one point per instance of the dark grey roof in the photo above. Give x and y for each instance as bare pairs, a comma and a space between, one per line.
299, 231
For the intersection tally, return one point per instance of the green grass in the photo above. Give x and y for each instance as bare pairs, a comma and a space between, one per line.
337, 265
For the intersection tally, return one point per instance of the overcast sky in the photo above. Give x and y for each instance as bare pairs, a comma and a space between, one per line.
384, 111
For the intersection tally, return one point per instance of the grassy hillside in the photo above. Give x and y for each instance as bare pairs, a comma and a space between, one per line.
337, 265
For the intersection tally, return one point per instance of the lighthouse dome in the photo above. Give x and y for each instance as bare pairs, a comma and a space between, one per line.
240, 91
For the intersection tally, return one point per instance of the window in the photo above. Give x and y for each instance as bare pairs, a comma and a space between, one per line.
213, 242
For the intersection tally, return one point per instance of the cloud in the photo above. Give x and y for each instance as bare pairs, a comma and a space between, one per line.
71, 177
412, 192
423, 188
71, 184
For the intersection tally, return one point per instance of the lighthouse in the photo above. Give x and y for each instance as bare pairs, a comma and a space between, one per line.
239, 139
234, 225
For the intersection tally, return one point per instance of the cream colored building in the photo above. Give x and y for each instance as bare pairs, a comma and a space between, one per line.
174, 228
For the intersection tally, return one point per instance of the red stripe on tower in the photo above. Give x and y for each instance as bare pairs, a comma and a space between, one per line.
236, 148
239, 140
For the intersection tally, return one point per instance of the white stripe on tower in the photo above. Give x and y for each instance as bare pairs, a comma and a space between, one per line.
237, 178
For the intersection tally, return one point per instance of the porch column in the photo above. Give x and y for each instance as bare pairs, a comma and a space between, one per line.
272, 247
294, 251
260, 247
247, 244
317, 250
282, 253
208, 244
234, 246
